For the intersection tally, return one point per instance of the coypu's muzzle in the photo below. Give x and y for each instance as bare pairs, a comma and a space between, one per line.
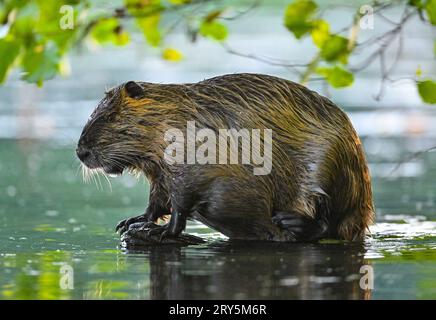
91, 160
87, 157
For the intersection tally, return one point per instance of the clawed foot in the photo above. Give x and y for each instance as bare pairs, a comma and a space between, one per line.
124, 225
303, 228
145, 234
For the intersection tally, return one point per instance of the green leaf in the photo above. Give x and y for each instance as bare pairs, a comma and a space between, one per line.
103, 31
298, 15
147, 18
180, 2
51, 23
171, 54
110, 30
25, 22
320, 33
335, 48
143, 8
430, 8
40, 63
415, 3
418, 72
336, 76
215, 30
9, 51
427, 91
121, 38
150, 28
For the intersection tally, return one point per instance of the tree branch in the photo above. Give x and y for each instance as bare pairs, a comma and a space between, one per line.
293, 67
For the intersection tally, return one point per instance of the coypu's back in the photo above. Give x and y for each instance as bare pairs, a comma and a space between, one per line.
318, 159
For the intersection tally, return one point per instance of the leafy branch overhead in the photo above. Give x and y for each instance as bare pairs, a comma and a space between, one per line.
36, 36
302, 19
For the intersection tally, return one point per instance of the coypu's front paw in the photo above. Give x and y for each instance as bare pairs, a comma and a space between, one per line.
125, 224
140, 234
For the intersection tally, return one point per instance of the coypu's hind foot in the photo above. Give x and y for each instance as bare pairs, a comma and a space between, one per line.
302, 227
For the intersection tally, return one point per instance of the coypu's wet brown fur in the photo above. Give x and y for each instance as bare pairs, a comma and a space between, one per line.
319, 185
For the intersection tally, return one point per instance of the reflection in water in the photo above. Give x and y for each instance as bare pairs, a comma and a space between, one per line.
229, 270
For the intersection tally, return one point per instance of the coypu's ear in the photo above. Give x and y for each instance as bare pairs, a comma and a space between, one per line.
133, 90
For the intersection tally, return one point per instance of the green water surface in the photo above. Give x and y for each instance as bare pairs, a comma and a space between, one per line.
51, 219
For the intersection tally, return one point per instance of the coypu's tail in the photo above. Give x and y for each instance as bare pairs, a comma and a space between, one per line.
355, 226
355, 196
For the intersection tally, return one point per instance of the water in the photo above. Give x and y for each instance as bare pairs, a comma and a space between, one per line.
50, 218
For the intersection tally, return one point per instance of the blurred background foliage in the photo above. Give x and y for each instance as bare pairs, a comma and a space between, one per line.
36, 36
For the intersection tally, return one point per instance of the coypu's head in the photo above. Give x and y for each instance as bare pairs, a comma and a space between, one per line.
117, 135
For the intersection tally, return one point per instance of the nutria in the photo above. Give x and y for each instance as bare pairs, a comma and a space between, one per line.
318, 187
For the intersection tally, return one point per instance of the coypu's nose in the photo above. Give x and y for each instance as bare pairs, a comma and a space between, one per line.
82, 153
